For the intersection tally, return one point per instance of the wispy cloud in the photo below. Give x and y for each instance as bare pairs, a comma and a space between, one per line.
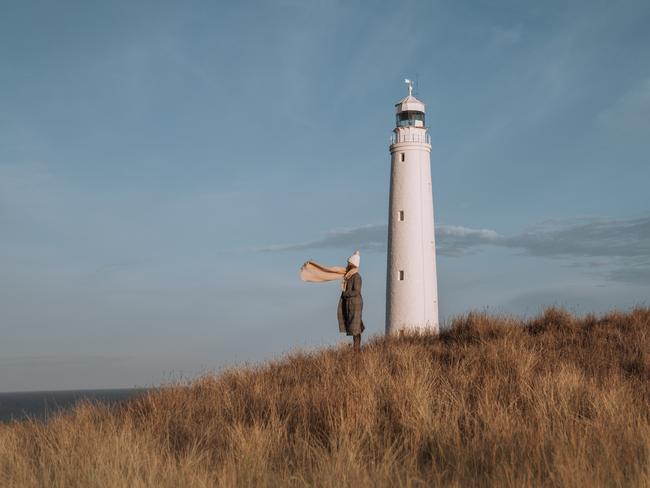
453, 240
634, 273
502, 37
456, 240
64, 360
630, 114
623, 243
369, 237
585, 238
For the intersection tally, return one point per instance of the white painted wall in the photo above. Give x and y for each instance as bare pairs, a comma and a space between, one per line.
412, 303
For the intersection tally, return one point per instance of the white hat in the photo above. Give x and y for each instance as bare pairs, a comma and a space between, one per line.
355, 259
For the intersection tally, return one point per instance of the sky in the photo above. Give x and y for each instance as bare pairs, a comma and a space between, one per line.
166, 167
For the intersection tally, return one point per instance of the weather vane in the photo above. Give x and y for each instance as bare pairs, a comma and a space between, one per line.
410, 84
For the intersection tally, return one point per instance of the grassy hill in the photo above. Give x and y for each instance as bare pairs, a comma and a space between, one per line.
553, 401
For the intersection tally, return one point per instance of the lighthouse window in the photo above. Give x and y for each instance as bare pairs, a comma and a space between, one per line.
401, 156
401, 275
401, 215
409, 118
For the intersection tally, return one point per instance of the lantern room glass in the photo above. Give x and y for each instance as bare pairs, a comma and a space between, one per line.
409, 117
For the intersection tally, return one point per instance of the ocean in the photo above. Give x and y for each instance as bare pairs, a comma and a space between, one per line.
41, 404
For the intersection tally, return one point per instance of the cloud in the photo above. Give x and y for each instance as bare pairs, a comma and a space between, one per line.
622, 245
615, 249
638, 274
452, 240
506, 36
585, 238
60, 360
456, 240
369, 237
630, 114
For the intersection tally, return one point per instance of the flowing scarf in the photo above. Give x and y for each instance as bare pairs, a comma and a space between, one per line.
317, 273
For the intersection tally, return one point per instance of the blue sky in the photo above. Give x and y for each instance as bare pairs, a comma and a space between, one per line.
165, 168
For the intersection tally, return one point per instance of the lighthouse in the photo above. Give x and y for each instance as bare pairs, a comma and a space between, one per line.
411, 283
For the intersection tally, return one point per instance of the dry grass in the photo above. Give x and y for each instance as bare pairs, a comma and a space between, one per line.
555, 401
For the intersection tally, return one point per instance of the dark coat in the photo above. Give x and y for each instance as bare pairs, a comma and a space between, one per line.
351, 306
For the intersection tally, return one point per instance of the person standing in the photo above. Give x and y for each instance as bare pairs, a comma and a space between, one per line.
351, 302
350, 305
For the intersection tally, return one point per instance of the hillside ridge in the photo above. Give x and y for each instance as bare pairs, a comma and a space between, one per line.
556, 400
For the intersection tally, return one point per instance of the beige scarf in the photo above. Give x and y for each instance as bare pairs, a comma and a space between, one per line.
317, 273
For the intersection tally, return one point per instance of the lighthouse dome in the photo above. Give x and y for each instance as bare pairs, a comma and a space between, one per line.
409, 103
410, 112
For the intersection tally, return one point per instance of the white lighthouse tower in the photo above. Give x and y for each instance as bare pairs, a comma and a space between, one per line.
411, 283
